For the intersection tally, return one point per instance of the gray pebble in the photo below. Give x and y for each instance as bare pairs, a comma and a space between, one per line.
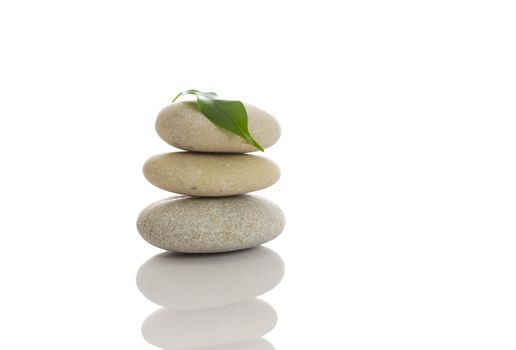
210, 225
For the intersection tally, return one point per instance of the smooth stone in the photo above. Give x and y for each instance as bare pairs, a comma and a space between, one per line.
210, 175
193, 282
183, 126
210, 225
181, 330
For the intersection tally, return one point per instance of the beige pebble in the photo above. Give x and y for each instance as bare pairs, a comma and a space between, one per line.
210, 175
182, 125
210, 225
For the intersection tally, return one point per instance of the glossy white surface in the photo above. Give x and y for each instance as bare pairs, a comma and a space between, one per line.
257, 344
397, 158
209, 299
191, 282
192, 329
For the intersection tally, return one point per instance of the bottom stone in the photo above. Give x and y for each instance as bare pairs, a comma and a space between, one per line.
210, 225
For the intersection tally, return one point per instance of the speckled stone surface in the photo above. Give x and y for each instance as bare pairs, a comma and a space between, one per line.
210, 174
183, 126
210, 225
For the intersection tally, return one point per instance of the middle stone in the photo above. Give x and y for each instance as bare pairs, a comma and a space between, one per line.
210, 174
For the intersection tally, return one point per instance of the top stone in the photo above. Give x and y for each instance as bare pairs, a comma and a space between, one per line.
183, 126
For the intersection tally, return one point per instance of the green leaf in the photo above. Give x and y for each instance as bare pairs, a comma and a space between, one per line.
226, 114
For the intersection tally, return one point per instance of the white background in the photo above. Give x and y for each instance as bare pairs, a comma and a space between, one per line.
397, 156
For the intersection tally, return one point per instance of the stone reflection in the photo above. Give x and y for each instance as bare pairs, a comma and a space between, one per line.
209, 301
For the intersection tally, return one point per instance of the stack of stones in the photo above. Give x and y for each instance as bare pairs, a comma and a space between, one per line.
216, 214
